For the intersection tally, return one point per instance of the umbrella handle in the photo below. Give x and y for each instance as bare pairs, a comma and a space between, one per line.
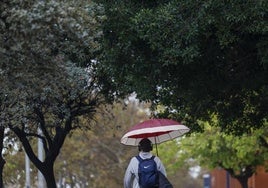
156, 146
156, 150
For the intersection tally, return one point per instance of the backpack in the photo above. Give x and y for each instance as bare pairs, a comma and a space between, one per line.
164, 182
148, 173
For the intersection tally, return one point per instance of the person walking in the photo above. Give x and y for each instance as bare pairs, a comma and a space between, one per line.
131, 178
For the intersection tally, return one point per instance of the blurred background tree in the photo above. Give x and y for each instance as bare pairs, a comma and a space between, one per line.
238, 155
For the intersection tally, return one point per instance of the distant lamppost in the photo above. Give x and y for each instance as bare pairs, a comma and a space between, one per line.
41, 180
27, 172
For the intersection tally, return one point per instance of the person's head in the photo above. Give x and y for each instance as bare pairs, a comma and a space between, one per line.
145, 145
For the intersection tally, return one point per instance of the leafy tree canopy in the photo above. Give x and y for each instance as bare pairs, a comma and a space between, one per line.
194, 57
38, 38
42, 86
39, 31
239, 155
39, 42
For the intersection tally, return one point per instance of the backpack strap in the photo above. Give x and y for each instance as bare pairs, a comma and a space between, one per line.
139, 158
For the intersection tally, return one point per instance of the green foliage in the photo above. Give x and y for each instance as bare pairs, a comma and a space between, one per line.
40, 42
194, 57
39, 39
39, 31
43, 44
239, 155
169, 153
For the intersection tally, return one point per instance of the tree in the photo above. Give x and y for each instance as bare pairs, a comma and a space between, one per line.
41, 41
169, 152
194, 57
51, 114
239, 155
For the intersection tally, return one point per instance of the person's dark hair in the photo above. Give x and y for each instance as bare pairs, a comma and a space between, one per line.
145, 145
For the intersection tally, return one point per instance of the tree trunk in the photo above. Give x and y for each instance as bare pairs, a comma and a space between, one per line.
243, 177
2, 160
46, 167
243, 181
48, 173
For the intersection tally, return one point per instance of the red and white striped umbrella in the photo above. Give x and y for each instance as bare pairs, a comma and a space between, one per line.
157, 130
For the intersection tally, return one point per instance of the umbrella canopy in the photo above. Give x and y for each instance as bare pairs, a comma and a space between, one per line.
157, 130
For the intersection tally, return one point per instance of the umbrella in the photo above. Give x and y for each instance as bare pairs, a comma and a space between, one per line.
157, 130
